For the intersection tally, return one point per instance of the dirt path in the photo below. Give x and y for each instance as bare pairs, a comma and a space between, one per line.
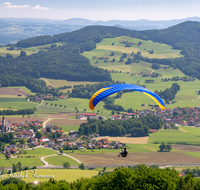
47, 82
195, 99
40, 103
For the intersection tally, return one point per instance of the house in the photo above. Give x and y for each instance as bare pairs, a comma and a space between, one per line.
116, 117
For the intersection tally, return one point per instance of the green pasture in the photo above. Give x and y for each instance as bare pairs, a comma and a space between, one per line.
104, 49
52, 109
173, 136
27, 161
195, 154
132, 148
69, 175
70, 104
67, 128
60, 159
14, 53
16, 103
38, 152
191, 130
4, 162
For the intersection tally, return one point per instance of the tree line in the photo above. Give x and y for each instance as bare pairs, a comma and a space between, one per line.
17, 112
169, 93
136, 127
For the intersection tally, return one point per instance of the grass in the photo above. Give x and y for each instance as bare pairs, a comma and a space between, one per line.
52, 109
195, 154
27, 161
59, 160
173, 136
4, 162
39, 152
67, 128
16, 103
69, 175
132, 148
191, 130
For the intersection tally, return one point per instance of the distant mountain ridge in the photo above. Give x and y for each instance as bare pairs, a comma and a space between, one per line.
14, 29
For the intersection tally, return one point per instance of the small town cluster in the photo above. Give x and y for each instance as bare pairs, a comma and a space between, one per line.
54, 137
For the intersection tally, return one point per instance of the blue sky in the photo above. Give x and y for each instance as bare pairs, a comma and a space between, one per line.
100, 9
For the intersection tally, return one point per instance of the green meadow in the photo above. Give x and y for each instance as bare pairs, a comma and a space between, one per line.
132, 148
67, 128
16, 103
39, 152
4, 162
27, 161
60, 159
173, 136
191, 130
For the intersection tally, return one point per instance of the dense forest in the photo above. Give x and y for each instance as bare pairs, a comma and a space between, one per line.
138, 177
65, 62
135, 127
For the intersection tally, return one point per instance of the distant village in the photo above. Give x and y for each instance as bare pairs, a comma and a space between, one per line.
71, 140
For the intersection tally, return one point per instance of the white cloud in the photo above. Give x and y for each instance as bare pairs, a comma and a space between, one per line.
41, 8
9, 5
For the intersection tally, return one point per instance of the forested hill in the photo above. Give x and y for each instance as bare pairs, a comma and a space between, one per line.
90, 34
184, 36
65, 62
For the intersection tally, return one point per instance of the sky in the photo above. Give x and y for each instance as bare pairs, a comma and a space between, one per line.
103, 10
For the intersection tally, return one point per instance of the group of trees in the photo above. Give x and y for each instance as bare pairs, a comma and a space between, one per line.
169, 93
165, 147
135, 127
17, 112
139, 177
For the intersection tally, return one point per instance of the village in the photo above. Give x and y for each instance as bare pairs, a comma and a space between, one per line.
52, 136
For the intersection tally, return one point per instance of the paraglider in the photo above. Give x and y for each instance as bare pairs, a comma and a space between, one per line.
111, 89
123, 153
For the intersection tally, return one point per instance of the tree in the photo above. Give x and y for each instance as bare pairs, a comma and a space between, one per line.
38, 134
66, 165
19, 165
82, 166
112, 53
22, 53
162, 147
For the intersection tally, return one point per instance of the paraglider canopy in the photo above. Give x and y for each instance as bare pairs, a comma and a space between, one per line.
108, 90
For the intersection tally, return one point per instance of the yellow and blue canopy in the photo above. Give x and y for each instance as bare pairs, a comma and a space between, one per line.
108, 90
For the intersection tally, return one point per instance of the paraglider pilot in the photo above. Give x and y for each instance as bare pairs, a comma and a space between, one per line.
123, 153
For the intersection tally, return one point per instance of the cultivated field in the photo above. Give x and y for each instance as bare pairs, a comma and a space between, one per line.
137, 158
186, 148
129, 140
67, 122
173, 136
12, 91
59, 174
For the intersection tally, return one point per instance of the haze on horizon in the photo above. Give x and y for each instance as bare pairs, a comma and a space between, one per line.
103, 10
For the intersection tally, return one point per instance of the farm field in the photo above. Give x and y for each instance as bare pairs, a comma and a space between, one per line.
39, 152
67, 128
130, 140
191, 130
58, 83
67, 122
4, 162
173, 136
105, 47
186, 148
71, 103
53, 109
137, 158
27, 161
16, 103
60, 159
132, 148
69, 175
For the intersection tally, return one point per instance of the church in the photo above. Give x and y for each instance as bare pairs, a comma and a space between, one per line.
5, 125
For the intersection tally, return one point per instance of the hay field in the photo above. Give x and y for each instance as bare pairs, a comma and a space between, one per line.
137, 158
129, 140
69, 175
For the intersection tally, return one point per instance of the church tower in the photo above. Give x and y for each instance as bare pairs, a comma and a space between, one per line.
3, 122
5, 125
